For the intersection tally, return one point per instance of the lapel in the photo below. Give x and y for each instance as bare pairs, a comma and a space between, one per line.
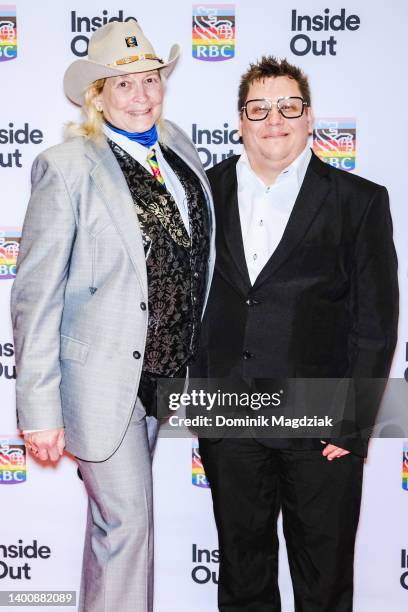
176, 141
226, 192
311, 196
179, 142
113, 189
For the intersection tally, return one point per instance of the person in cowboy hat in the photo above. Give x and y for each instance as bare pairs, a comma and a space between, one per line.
120, 215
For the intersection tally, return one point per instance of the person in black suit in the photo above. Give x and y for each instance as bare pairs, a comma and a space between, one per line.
305, 286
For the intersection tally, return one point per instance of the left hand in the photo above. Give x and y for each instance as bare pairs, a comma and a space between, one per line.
334, 452
47, 444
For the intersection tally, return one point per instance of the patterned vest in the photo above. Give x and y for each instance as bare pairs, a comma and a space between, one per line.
176, 262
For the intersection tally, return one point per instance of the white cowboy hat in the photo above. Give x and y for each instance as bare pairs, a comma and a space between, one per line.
114, 49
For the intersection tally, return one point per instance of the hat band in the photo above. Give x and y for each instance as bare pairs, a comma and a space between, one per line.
135, 58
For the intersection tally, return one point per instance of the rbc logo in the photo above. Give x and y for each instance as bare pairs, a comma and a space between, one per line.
334, 141
12, 461
213, 32
199, 479
405, 466
9, 247
8, 33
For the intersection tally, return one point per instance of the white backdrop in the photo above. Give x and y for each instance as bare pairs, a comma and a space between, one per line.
357, 73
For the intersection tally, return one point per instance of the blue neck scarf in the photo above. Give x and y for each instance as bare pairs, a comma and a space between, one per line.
147, 139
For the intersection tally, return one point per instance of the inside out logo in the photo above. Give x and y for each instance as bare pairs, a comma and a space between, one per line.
81, 26
213, 32
203, 560
7, 370
17, 135
302, 44
8, 32
13, 559
404, 566
222, 136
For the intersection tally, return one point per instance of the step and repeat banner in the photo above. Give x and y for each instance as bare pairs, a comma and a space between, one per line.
355, 54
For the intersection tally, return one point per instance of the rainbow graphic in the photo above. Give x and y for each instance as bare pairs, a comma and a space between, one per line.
405, 466
13, 467
9, 246
8, 32
334, 141
199, 479
213, 32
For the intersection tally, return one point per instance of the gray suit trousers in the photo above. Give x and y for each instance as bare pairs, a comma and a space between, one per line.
117, 572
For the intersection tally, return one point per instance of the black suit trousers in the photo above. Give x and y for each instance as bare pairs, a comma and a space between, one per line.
320, 503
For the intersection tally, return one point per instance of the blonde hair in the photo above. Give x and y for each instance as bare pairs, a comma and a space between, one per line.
91, 127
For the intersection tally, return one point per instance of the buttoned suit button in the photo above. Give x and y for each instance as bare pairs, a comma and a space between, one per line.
142, 305
136, 355
247, 355
252, 302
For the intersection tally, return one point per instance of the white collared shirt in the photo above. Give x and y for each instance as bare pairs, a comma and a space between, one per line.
140, 153
264, 210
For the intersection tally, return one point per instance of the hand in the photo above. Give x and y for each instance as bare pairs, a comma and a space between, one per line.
334, 452
48, 444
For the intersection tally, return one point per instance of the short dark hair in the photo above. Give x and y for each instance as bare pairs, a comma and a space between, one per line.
270, 66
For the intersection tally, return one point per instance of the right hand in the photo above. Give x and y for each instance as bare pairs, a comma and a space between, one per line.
48, 444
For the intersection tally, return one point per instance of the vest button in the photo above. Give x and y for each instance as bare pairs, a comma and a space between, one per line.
136, 355
247, 355
196, 275
142, 306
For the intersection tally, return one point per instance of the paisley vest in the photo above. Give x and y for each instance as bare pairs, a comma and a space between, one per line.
176, 262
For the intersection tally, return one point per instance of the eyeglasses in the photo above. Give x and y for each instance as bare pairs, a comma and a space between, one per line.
289, 107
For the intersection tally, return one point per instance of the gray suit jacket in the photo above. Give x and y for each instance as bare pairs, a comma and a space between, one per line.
79, 328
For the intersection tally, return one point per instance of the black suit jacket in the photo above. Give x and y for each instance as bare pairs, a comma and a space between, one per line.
326, 303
